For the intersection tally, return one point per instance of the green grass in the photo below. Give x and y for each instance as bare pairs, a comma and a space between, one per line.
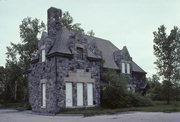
158, 106
18, 106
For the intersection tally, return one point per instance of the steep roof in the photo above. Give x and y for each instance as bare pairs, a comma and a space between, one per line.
136, 68
106, 47
91, 55
61, 43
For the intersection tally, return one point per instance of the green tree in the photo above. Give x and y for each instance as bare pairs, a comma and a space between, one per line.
115, 91
2, 82
165, 49
67, 21
19, 57
91, 33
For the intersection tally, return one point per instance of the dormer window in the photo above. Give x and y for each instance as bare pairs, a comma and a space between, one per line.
43, 55
128, 68
125, 68
79, 53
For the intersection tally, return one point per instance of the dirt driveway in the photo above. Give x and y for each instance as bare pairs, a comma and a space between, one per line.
7, 115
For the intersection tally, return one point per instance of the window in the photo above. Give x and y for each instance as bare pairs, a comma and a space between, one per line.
79, 94
69, 95
123, 67
43, 90
126, 68
79, 53
89, 94
43, 55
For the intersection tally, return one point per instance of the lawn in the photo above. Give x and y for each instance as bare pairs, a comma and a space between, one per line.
158, 106
18, 106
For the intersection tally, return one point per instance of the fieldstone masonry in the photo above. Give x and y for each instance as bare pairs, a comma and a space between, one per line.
62, 65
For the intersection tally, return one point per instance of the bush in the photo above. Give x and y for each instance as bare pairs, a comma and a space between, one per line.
136, 100
115, 94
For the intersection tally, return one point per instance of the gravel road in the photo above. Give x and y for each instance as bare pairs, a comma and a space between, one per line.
8, 115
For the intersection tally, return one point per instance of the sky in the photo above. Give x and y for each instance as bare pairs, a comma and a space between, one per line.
128, 23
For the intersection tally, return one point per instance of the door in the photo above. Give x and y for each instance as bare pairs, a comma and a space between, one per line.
79, 94
89, 94
69, 101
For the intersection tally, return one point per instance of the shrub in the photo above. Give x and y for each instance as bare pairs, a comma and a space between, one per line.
115, 94
137, 100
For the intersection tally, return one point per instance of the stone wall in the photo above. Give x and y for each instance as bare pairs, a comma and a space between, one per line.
58, 69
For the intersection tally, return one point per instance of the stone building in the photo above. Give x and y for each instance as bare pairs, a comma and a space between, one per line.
66, 72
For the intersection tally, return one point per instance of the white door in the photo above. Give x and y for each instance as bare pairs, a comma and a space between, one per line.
69, 100
79, 94
89, 94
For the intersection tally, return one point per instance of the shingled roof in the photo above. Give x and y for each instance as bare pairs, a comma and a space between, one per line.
136, 68
106, 47
60, 45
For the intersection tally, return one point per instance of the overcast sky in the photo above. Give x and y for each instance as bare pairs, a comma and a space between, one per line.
123, 22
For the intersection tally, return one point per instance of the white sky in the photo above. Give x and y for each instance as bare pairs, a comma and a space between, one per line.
123, 22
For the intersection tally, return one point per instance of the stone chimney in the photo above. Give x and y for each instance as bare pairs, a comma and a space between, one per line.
53, 21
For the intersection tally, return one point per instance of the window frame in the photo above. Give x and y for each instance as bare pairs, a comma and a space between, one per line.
123, 65
79, 51
43, 95
43, 55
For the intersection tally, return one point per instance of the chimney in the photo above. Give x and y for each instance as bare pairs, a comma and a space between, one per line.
54, 21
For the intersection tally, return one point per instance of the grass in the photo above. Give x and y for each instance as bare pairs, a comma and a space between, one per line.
158, 106
18, 106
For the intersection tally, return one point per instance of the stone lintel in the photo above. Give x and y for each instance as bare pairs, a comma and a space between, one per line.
79, 76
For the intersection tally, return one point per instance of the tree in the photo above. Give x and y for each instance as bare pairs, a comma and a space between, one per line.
19, 57
67, 21
116, 85
2, 82
167, 90
165, 49
91, 33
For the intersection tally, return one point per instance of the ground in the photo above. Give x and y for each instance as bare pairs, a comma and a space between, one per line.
11, 115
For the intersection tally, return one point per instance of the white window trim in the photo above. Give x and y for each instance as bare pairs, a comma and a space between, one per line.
69, 94
123, 67
43, 55
43, 90
80, 101
128, 68
91, 97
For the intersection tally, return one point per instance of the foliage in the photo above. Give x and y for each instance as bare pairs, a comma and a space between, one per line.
18, 60
163, 91
91, 33
137, 100
120, 97
67, 21
155, 93
166, 49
